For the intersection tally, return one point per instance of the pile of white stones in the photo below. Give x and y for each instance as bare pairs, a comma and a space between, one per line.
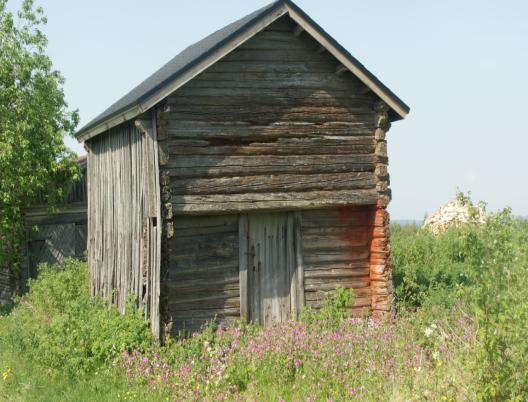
452, 213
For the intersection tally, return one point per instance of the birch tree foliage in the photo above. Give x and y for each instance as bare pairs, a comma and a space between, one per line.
35, 165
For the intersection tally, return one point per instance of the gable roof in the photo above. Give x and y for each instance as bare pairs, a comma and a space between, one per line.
196, 58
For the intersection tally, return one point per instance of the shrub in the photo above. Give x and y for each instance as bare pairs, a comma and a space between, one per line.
334, 309
486, 266
429, 268
59, 325
500, 307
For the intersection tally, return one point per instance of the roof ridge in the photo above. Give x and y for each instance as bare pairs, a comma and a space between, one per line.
178, 70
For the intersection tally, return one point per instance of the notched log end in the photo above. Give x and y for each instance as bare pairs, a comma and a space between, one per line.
163, 154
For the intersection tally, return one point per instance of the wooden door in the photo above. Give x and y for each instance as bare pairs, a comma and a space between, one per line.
271, 268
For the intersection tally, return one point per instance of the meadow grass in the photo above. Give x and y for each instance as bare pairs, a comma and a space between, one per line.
460, 333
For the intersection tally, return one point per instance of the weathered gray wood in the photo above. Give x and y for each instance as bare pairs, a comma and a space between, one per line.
274, 183
356, 69
299, 263
243, 251
347, 264
243, 162
324, 285
240, 130
227, 126
276, 146
330, 82
298, 55
336, 252
283, 24
231, 294
320, 241
266, 115
211, 283
278, 40
204, 276
179, 307
253, 167
270, 201
341, 69
329, 273
291, 265
225, 223
322, 256
298, 30
269, 268
123, 203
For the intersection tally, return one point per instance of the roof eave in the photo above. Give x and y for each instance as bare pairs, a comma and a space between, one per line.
151, 99
117, 118
344, 57
398, 108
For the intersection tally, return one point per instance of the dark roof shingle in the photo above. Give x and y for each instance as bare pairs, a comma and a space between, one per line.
180, 63
194, 54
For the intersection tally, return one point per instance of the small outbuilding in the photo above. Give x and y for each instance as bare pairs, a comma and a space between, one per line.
245, 179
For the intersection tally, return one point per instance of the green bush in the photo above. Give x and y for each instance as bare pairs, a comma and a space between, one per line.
429, 268
500, 308
486, 267
335, 308
60, 326
461, 334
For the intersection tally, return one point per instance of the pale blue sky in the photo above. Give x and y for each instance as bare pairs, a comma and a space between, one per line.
460, 65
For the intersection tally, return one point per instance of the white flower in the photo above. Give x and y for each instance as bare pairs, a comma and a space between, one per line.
429, 330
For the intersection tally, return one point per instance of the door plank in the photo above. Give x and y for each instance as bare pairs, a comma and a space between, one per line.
271, 268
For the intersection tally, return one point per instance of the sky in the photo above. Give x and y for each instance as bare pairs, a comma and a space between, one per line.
461, 66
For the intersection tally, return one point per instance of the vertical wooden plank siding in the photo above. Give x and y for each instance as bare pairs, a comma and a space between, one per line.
243, 253
291, 257
270, 271
123, 214
299, 263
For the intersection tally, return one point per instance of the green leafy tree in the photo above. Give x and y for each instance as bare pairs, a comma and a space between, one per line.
35, 165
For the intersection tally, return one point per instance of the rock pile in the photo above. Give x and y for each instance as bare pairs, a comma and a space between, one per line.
452, 213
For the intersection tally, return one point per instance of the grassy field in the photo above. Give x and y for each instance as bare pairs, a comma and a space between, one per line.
461, 333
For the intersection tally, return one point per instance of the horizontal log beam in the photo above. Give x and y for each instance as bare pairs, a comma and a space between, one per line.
270, 201
244, 131
274, 183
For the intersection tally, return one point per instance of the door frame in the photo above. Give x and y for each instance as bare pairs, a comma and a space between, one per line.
297, 301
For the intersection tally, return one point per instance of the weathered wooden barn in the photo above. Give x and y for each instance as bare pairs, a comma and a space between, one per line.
246, 178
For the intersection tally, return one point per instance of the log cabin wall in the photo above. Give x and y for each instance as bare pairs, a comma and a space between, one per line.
123, 212
336, 252
273, 125
204, 271
276, 125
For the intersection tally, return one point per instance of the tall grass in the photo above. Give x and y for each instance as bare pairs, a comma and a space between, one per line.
461, 333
